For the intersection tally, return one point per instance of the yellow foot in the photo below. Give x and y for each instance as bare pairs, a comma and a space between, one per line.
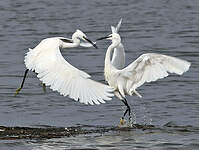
122, 122
17, 91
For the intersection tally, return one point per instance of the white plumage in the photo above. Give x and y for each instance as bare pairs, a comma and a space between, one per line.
151, 67
53, 70
118, 58
146, 68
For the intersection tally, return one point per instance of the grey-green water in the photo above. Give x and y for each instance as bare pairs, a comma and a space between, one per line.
162, 26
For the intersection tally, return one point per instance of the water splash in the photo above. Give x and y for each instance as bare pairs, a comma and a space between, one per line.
147, 119
134, 116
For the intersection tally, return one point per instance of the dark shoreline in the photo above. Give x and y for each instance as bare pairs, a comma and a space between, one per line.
14, 133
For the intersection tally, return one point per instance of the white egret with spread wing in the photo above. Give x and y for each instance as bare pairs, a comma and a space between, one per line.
146, 68
54, 71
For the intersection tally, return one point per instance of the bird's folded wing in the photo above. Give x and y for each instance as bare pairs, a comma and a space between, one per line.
56, 72
118, 58
151, 67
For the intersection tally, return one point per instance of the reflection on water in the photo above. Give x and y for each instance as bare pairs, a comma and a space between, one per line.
161, 26
169, 138
93, 141
136, 139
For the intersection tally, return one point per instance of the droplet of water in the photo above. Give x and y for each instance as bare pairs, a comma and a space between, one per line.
146, 113
134, 117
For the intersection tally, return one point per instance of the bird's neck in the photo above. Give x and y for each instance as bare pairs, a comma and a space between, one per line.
108, 55
76, 41
108, 67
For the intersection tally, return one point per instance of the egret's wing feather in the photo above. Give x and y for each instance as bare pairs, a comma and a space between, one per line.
56, 72
116, 29
118, 58
151, 67
118, 25
113, 29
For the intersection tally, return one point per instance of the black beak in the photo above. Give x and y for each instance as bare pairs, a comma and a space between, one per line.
106, 37
94, 45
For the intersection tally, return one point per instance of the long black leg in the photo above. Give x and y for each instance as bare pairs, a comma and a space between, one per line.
128, 109
24, 77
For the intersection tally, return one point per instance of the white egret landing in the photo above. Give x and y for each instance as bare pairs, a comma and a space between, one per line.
146, 68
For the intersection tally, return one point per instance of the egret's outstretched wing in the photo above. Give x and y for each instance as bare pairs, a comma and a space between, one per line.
151, 67
56, 72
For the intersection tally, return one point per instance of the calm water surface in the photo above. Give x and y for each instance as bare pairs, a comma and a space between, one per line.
161, 26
